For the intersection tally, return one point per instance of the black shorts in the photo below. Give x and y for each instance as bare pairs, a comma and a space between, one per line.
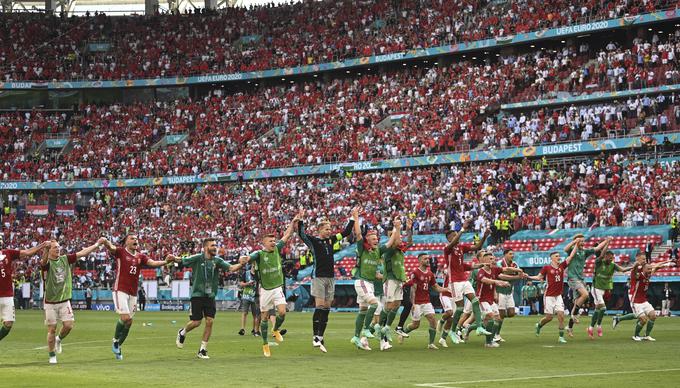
202, 307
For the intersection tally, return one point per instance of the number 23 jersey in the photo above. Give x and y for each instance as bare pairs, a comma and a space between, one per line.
128, 269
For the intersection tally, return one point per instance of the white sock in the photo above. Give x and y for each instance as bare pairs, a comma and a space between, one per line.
58, 339
182, 332
204, 345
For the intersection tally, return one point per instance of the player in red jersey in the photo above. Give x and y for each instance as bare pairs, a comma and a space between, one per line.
421, 281
642, 309
458, 281
128, 269
7, 256
489, 277
446, 321
552, 299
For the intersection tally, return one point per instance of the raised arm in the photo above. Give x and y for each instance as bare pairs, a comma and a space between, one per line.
357, 225
396, 230
350, 225
497, 283
660, 265
571, 245
409, 232
458, 235
86, 251
538, 277
160, 263
623, 269
480, 243
44, 257
24, 253
109, 245
571, 256
603, 245
289, 231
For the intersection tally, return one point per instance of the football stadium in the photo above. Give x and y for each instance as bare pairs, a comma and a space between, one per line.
381, 193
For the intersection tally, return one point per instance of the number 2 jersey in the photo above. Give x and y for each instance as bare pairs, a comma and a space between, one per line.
555, 278
128, 268
421, 281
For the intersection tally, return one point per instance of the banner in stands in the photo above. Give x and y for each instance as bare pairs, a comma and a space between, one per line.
410, 162
37, 210
603, 25
66, 210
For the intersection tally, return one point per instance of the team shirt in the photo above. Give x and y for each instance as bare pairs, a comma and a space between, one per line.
394, 264
506, 290
447, 290
368, 261
58, 279
578, 263
268, 267
7, 256
472, 278
378, 284
422, 282
205, 274
639, 284
127, 270
249, 293
555, 278
604, 274
486, 292
457, 267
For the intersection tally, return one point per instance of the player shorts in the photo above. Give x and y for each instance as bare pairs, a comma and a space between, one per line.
323, 288
575, 285
248, 306
488, 308
381, 305
506, 302
598, 295
7, 309
553, 304
365, 292
419, 310
58, 312
640, 309
269, 299
467, 306
125, 303
394, 290
460, 289
446, 302
202, 306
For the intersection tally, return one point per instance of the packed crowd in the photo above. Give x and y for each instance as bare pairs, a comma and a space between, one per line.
436, 109
46, 47
604, 192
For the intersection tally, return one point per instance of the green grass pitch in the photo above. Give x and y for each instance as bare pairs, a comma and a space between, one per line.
151, 358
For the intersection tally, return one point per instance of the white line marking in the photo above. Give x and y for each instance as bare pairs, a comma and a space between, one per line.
96, 342
444, 385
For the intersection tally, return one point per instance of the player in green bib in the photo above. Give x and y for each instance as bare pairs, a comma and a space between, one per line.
575, 274
365, 273
395, 274
603, 282
374, 325
57, 276
267, 263
205, 270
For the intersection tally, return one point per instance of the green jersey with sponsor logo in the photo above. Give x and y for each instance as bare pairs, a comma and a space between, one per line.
58, 278
268, 267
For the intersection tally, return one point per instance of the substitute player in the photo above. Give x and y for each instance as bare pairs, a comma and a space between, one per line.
395, 273
460, 286
489, 277
365, 273
552, 299
248, 304
603, 282
576, 282
506, 299
640, 275
128, 268
205, 269
422, 280
323, 273
57, 275
267, 262
7, 257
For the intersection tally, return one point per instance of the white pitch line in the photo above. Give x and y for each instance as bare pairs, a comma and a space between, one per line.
446, 384
95, 342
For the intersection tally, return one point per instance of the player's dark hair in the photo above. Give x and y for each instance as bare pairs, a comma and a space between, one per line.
448, 233
125, 237
421, 255
554, 252
207, 240
505, 251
